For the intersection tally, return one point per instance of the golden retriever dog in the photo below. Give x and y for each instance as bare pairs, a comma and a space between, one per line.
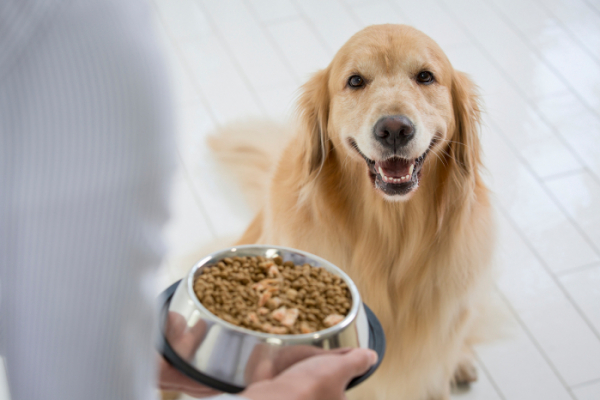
382, 177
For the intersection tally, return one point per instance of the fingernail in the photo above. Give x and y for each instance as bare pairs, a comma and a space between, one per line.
373, 357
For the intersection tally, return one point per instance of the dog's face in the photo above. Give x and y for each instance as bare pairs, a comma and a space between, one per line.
390, 102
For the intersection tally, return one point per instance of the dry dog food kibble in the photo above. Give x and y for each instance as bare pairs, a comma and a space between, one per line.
273, 296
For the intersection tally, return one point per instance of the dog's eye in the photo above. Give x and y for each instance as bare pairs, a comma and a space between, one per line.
425, 77
356, 81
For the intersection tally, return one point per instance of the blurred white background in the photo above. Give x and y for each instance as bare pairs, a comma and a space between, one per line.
537, 63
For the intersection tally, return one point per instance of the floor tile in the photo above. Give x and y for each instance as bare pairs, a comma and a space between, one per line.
584, 287
579, 19
358, 2
229, 95
280, 101
518, 368
576, 125
546, 311
530, 136
527, 71
183, 88
593, 6
272, 10
525, 201
434, 22
187, 230
188, 227
588, 392
579, 195
301, 47
251, 48
549, 157
330, 20
222, 199
572, 62
378, 13
486, 75
482, 389
183, 18
527, 15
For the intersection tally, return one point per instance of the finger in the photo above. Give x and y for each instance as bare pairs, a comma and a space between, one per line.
289, 356
192, 338
175, 325
340, 351
356, 362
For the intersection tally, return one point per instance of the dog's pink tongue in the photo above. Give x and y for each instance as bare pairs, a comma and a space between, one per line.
394, 168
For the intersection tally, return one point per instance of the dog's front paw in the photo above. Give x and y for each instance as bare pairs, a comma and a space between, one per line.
465, 372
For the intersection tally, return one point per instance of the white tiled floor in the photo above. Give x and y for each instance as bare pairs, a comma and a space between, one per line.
538, 65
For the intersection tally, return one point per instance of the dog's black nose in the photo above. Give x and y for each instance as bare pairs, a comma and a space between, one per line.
394, 131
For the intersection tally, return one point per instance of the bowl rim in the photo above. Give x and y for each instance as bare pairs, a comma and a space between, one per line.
270, 337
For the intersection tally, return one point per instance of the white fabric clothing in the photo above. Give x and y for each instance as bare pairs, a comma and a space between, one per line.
86, 154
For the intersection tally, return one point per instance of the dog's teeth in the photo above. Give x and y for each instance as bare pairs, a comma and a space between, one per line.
407, 177
411, 169
381, 173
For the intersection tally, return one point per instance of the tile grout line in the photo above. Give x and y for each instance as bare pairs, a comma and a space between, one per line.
530, 335
584, 384
576, 270
534, 50
592, 6
231, 55
275, 45
565, 174
569, 32
516, 87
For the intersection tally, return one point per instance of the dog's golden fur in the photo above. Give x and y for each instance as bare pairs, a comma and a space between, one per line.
421, 263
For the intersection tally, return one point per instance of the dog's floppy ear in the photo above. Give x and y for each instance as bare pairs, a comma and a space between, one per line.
313, 113
465, 146
463, 156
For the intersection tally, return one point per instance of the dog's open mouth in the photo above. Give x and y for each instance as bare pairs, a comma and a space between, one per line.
394, 176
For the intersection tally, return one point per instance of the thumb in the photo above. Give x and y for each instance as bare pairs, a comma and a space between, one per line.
356, 362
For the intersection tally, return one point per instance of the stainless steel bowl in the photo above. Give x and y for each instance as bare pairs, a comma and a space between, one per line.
228, 357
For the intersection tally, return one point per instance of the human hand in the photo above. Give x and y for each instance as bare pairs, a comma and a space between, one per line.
320, 377
184, 342
267, 362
